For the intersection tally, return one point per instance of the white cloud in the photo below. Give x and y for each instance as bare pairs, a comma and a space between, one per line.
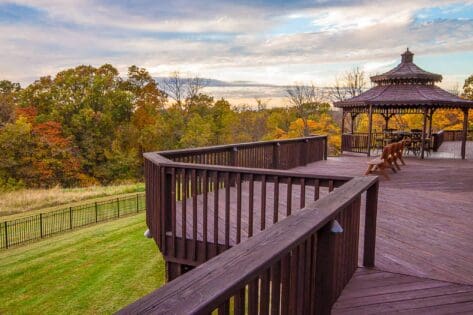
369, 35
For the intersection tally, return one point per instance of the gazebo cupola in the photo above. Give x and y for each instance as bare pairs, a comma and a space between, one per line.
405, 89
407, 72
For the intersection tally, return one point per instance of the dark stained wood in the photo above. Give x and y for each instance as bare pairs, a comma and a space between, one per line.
225, 275
370, 222
464, 133
424, 222
373, 291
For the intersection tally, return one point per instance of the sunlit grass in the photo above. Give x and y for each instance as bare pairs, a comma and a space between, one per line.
21, 201
94, 270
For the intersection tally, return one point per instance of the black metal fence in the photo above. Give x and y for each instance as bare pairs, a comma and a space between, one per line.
38, 226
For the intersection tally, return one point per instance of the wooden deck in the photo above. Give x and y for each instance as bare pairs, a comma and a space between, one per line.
379, 292
282, 202
424, 237
425, 222
424, 231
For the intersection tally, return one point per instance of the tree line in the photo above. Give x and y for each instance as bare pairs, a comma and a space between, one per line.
90, 126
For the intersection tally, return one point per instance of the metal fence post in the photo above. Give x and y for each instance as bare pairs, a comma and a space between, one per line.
70, 218
96, 213
41, 224
6, 234
137, 203
118, 206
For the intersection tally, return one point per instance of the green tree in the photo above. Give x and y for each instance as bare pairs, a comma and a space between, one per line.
8, 95
468, 88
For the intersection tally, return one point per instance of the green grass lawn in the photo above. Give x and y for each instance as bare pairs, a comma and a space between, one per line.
94, 270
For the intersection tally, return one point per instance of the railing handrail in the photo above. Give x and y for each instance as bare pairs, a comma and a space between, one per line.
223, 147
161, 161
202, 290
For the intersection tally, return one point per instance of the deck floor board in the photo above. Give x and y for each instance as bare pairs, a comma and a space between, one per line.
387, 293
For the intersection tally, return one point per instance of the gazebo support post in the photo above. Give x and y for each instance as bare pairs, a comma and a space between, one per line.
370, 123
423, 134
353, 117
387, 117
465, 131
431, 115
343, 121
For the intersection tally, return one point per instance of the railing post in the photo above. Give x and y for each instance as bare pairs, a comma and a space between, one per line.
137, 203
370, 225
276, 147
303, 152
6, 234
326, 250
70, 218
41, 225
325, 147
96, 212
167, 202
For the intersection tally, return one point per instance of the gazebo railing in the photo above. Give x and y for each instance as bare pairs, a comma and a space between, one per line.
449, 135
358, 142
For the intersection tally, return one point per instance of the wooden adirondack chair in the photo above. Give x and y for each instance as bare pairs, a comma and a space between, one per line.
381, 163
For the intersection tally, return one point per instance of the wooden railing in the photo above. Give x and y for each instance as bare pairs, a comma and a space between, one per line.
299, 265
199, 210
449, 135
277, 154
357, 142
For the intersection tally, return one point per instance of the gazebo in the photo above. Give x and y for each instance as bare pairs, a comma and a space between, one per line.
406, 89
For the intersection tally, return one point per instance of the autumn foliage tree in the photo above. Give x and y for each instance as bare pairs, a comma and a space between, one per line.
89, 126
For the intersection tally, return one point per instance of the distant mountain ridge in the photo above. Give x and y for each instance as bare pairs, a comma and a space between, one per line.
221, 83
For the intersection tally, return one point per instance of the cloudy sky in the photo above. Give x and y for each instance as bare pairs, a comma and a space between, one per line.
277, 42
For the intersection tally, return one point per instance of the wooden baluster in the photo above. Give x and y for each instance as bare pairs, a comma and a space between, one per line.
316, 189
276, 199
216, 189
238, 196
224, 309
227, 209
313, 273
250, 206
194, 214
285, 284
289, 197
173, 209
239, 302
307, 276
183, 187
165, 206
205, 189
302, 201
253, 297
275, 287
264, 293
370, 225
294, 277
325, 269
263, 203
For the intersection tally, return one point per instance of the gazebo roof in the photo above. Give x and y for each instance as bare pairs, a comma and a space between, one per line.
406, 85
407, 70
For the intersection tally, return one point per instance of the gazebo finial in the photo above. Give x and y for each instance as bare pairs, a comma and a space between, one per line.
407, 56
